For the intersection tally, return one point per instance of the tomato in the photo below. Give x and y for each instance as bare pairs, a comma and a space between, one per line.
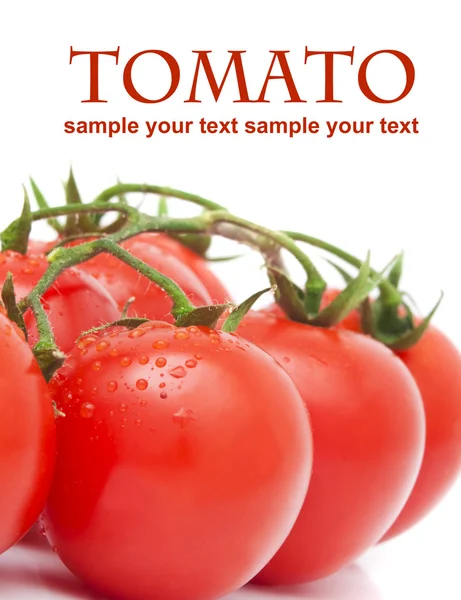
193, 261
27, 436
368, 427
75, 303
435, 364
124, 282
182, 462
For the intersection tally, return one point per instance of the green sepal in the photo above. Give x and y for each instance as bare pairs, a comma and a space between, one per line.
288, 295
395, 273
76, 223
43, 204
49, 359
9, 303
128, 322
350, 298
16, 235
236, 315
398, 334
347, 277
207, 316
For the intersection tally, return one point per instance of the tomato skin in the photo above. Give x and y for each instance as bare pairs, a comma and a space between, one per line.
27, 436
176, 481
124, 282
435, 364
368, 427
75, 303
196, 263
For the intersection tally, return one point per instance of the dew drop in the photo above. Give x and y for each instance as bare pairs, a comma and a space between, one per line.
181, 335
138, 422
286, 359
163, 395
123, 407
86, 341
161, 361
96, 366
55, 549
160, 344
126, 361
143, 360
114, 352
193, 329
112, 386
191, 363
141, 384
87, 410
162, 385
102, 345
136, 333
199, 356
178, 372
143, 403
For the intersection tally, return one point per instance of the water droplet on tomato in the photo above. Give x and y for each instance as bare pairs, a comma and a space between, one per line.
160, 344
123, 407
138, 422
143, 403
114, 352
161, 361
142, 384
199, 356
286, 359
87, 410
181, 335
136, 333
102, 345
86, 341
163, 395
126, 361
96, 366
112, 386
191, 363
143, 360
178, 372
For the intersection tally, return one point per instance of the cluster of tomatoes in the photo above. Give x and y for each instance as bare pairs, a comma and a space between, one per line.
188, 461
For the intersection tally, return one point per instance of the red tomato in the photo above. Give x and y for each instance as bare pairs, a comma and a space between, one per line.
123, 282
75, 303
182, 463
27, 436
436, 367
196, 263
368, 426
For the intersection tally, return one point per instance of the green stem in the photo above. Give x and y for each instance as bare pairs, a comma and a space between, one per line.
315, 285
390, 294
63, 258
125, 188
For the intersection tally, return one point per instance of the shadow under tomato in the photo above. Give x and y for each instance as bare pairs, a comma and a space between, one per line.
352, 583
30, 567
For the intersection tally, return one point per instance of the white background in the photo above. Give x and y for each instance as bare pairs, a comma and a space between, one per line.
378, 192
